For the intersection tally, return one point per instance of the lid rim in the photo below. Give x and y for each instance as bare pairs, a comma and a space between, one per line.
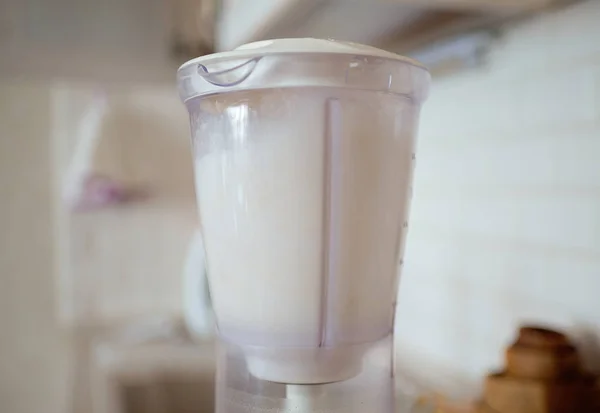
214, 58
300, 47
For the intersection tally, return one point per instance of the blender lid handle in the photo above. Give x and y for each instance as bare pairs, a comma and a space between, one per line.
229, 77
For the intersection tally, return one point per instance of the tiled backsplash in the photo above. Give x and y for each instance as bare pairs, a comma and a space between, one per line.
505, 223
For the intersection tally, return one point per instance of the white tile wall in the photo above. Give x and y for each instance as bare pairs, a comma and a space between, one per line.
505, 223
125, 261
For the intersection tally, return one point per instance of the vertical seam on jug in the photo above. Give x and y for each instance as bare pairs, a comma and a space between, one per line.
332, 173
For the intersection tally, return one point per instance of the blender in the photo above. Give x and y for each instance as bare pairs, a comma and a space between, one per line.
304, 151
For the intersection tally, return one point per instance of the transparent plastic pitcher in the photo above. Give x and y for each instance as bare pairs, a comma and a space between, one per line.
304, 155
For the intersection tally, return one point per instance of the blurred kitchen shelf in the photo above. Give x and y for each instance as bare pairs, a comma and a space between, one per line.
143, 365
397, 25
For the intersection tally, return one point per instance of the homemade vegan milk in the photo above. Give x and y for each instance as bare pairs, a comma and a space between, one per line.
301, 210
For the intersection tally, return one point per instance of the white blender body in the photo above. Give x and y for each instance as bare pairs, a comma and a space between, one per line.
304, 153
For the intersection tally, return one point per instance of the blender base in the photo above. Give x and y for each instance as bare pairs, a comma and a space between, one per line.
354, 379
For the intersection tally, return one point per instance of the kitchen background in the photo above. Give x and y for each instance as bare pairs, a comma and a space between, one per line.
505, 222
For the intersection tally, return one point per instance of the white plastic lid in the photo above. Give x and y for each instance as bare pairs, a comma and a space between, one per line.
298, 46
307, 62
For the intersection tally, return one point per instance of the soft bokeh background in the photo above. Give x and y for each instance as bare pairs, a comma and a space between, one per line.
505, 224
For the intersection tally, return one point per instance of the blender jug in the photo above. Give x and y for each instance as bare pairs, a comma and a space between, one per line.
304, 153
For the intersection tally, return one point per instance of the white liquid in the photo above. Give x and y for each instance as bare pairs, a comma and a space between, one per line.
301, 221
